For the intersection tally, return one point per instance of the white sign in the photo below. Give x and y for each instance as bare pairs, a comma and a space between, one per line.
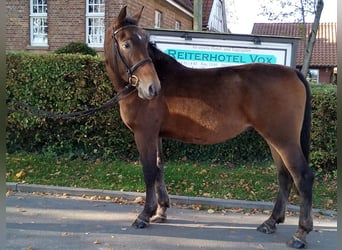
206, 52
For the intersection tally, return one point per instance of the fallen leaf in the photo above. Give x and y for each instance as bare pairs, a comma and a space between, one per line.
139, 200
9, 193
97, 242
211, 211
261, 246
20, 174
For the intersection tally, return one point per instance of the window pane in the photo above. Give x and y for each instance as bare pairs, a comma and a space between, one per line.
96, 6
95, 22
95, 31
39, 25
39, 6
39, 30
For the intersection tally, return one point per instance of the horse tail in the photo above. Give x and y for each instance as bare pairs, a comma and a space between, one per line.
306, 126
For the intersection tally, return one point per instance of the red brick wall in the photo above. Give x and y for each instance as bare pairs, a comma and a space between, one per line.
325, 75
66, 20
17, 25
169, 14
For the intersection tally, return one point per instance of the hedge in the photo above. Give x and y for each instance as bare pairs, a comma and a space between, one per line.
65, 82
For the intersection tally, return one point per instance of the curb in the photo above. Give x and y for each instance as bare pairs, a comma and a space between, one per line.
186, 200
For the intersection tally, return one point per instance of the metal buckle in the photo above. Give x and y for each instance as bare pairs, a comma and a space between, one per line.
133, 80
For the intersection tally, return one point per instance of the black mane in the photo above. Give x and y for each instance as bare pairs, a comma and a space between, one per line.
160, 57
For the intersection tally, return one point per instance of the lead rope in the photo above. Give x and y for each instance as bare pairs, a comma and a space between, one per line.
31, 110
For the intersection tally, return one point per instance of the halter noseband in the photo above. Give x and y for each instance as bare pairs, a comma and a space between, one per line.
132, 79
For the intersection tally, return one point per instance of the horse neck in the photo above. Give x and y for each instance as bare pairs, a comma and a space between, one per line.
160, 59
117, 82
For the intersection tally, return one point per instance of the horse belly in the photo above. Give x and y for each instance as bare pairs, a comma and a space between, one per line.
200, 124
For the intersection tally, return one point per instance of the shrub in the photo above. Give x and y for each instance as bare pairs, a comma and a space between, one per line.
324, 126
76, 48
64, 83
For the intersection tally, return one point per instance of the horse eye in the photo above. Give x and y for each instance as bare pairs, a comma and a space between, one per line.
126, 45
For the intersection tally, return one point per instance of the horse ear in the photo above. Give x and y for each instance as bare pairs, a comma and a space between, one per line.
138, 14
122, 14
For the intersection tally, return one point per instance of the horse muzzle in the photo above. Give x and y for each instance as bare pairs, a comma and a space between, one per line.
148, 91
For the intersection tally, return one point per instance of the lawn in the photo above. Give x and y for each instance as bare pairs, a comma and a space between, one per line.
257, 182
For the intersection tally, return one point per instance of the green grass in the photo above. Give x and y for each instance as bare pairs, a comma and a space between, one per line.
257, 182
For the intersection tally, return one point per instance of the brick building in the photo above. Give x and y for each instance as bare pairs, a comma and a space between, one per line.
45, 25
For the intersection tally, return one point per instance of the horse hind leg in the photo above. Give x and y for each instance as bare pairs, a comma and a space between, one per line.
303, 178
162, 195
285, 183
297, 166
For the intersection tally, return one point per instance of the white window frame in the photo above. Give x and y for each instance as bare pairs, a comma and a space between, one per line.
38, 23
177, 25
157, 19
95, 33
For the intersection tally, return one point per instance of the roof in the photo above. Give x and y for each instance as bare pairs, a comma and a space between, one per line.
206, 9
186, 4
324, 52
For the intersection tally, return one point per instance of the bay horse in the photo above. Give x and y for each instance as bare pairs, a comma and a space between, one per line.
207, 106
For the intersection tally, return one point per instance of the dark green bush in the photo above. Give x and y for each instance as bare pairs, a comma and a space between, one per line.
324, 127
76, 48
64, 83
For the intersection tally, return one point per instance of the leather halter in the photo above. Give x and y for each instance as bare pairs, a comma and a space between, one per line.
132, 79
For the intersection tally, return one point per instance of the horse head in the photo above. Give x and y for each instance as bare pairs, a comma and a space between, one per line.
127, 58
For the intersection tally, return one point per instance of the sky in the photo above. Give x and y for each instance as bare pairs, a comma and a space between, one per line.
248, 16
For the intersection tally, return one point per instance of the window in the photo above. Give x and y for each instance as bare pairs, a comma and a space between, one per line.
38, 23
95, 23
177, 25
313, 75
157, 19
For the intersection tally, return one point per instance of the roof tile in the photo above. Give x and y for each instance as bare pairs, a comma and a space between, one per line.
324, 52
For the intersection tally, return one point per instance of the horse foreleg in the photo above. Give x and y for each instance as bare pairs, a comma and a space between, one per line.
285, 183
162, 195
148, 156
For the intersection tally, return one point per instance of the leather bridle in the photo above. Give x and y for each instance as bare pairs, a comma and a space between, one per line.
133, 80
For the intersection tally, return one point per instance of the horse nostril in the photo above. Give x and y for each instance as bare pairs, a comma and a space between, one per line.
152, 90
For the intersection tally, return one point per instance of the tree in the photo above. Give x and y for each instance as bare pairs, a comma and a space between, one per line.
297, 11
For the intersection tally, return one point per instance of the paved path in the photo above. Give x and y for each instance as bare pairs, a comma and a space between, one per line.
68, 222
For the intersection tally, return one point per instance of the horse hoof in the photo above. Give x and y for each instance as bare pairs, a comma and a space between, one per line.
266, 229
294, 242
138, 223
158, 219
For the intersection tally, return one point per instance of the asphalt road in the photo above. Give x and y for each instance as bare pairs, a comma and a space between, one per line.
67, 222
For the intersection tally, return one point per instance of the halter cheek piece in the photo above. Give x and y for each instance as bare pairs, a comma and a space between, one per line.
133, 80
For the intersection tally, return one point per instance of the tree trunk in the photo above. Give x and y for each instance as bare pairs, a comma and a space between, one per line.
312, 38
